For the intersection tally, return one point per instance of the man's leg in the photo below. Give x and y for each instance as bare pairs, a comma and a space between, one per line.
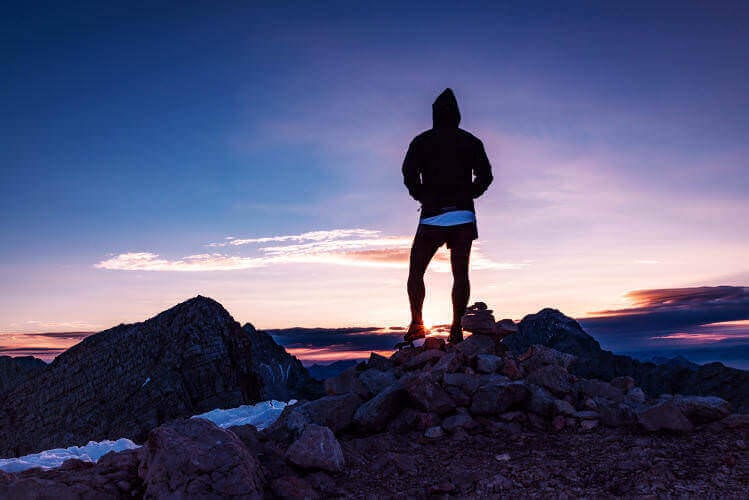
423, 249
459, 257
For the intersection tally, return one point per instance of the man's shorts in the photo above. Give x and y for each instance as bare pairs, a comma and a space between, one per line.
457, 237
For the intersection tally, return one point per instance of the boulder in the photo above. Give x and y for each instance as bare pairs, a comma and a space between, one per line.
511, 369
562, 407
434, 343
190, 458
623, 383
347, 382
379, 362
375, 380
466, 383
374, 415
422, 358
495, 399
539, 355
461, 420
540, 401
317, 448
434, 432
488, 363
593, 388
478, 319
552, 377
335, 412
427, 394
702, 409
450, 362
664, 416
476, 344
613, 414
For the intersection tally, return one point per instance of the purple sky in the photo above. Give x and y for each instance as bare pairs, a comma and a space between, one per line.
253, 155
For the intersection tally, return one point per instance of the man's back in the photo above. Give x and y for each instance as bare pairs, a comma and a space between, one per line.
441, 162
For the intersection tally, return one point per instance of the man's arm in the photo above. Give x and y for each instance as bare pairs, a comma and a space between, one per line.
482, 171
412, 172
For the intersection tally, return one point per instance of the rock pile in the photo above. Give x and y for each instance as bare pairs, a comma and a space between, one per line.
439, 391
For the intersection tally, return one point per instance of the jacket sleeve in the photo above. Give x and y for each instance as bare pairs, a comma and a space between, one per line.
482, 171
412, 172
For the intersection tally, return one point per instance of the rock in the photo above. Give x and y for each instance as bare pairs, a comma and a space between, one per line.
598, 389
281, 376
636, 395
624, 383
379, 362
335, 412
478, 319
457, 395
374, 415
476, 344
702, 409
562, 407
586, 415
434, 432
317, 448
540, 355
427, 394
613, 414
506, 327
510, 369
421, 359
495, 399
434, 343
488, 363
466, 383
376, 380
191, 458
14, 370
664, 416
449, 363
461, 420
587, 425
540, 401
347, 382
552, 377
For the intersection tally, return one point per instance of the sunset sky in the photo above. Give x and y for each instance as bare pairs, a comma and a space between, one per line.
253, 154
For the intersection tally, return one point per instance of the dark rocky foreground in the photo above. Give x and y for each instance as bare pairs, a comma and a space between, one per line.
125, 381
467, 421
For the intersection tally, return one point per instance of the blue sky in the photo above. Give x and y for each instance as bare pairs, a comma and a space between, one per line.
138, 139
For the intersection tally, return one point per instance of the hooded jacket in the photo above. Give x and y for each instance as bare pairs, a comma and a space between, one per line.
446, 167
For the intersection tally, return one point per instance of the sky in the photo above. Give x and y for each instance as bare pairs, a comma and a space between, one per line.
252, 153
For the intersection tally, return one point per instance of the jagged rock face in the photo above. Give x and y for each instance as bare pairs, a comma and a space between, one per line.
14, 370
125, 381
553, 329
281, 375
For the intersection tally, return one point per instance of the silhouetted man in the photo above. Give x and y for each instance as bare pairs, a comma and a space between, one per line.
445, 169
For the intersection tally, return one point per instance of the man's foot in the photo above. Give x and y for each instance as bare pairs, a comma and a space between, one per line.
415, 331
456, 334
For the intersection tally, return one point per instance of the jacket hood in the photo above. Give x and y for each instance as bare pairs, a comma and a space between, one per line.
445, 111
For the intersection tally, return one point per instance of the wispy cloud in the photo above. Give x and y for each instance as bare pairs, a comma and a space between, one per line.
346, 247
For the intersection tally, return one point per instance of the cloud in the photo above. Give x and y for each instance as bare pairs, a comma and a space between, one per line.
346, 247
677, 316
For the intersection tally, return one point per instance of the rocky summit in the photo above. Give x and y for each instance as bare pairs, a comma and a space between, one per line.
472, 419
125, 381
551, 328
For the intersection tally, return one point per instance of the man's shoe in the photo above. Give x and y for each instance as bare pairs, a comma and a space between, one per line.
456, 335
415, 331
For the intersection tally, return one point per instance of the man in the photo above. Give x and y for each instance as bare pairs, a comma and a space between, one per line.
445, 169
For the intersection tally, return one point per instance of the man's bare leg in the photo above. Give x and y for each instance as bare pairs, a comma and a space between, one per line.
459, 261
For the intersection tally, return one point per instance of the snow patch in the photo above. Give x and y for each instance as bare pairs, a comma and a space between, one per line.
48, 459
261, 415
